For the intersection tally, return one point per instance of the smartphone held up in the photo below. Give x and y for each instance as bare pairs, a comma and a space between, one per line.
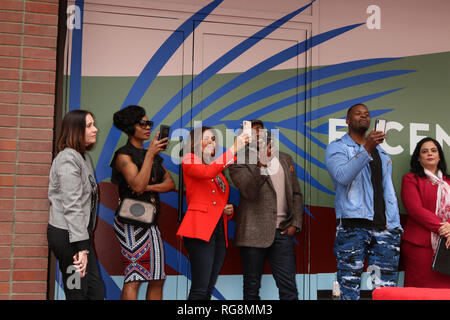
247, 127
380, 125
164, 131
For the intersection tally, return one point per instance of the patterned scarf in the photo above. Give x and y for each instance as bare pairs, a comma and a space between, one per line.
442, 202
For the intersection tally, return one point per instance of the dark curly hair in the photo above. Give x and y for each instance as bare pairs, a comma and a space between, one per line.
417, 168
126, 118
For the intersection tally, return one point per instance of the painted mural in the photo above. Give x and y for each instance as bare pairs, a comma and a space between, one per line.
297, 67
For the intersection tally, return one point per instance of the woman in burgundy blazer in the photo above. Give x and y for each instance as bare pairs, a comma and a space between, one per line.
419, 195
204, 226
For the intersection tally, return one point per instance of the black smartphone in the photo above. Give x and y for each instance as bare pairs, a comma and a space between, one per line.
164, 131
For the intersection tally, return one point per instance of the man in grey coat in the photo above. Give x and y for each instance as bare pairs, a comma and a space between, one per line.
270, 213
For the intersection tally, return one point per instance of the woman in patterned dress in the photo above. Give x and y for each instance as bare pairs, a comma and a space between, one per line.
140, 175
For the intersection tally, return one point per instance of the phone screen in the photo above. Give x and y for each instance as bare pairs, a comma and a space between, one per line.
163, 132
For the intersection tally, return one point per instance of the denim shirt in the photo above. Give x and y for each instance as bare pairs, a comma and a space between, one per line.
348, 165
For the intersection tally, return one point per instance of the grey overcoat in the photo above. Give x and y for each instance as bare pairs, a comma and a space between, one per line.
71, 188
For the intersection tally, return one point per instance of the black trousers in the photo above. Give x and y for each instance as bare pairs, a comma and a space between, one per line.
281, 257
206, 260
90, 287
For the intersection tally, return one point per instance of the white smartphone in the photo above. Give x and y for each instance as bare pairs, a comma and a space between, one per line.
247, 127
380, 125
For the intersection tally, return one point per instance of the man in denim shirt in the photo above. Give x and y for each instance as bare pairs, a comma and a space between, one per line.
367, 215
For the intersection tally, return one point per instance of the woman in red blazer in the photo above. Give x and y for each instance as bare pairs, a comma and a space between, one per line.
204, 226
420, 190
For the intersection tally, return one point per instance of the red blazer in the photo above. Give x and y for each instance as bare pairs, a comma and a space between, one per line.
419, 198
204, 197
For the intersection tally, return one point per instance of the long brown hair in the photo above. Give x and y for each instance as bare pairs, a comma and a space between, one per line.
73, 132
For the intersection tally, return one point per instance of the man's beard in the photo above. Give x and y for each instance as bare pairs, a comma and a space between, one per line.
360, 129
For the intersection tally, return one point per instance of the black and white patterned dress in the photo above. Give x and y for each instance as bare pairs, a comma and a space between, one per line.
142, 249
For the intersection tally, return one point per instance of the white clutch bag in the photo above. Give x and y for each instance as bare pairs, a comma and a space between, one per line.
136, 212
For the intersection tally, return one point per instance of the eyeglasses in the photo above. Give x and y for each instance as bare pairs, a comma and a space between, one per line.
144, 123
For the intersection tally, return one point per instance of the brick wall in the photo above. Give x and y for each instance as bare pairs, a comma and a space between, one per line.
28, 38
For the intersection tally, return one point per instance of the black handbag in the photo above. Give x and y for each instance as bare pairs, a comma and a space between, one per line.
441, 260
137, 213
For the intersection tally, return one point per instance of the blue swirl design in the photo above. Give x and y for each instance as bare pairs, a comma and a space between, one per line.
300, 123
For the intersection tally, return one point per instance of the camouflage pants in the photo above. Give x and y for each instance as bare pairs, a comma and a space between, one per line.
380, 248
